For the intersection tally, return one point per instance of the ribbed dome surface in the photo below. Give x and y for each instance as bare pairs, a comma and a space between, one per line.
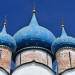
34, 35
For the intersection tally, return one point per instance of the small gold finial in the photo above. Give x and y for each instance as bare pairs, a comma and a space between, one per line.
34, 11
5, 21
62, 26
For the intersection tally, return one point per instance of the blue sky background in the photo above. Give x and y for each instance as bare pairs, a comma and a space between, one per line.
49, 14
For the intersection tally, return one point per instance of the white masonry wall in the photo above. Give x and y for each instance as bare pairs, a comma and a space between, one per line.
37, 55
5, 58
64, 60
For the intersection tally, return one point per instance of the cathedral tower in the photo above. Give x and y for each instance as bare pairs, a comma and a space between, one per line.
7, 46
64, 49
34, 49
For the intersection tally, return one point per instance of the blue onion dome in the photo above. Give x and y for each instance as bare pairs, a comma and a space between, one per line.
6, 39
63, 41
34, 35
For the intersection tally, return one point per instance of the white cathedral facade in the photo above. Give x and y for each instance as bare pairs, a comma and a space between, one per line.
34, 49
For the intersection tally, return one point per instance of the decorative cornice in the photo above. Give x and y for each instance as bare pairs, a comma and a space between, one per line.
6, 47
64, 48
67, 48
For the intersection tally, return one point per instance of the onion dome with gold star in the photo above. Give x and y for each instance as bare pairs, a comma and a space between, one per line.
6, 39
34, 35
63, 41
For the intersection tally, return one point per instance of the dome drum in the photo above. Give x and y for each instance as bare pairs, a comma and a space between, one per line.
34, 48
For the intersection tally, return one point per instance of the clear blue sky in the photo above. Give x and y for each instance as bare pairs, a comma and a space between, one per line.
49, 14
